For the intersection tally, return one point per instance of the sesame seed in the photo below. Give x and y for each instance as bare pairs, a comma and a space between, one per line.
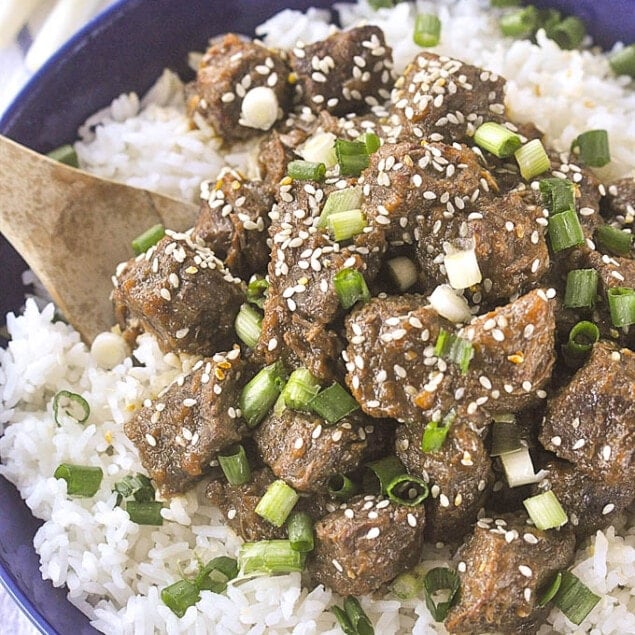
525, 570
151, 441
607, 509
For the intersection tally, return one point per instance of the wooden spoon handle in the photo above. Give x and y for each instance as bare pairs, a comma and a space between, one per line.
73, 229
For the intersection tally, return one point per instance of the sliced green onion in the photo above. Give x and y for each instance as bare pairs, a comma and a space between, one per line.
235, 465
405, 489
621, 305
623, 62
499, 4
340, 201
333, 403
545, 510
277, 503
574, 598
427, 30
581, 289
550, 592
402, 271
557, 195
178, 597
521, 23
380, 4
615, 240
69, 406
497, 139
341, 487
65, 154
441, 579
505, 438
138, 486
371, 141
592, 147
248, 325
300, 531
345, 225
350, 287
582, 337
148, 238
519, 468
564, 230
532, 159
257, 291
409, 584
145, 512
81, 480
215, 575
301, 387
386, 469
306, 170
457, 349
269, 557
261, 392
343, 621
358, 618
352, 157
435, 432
568, 33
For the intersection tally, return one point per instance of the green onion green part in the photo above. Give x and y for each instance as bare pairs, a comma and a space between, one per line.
564, 230
333, 403
277, 503
592, 147
345, 225
497, 139
358, 618
306, 170
505, 438
435, 433
408, 490
248, 325
257, 291
350, 287
615, 240
557, 195
380, 4
623, 62
409, 584
145, 512
441, 579
532, 159
427, 30
147, 239
261, 392
371, 141
215, 575
621, 305
340, 201
137, 486
65, 154
545, 510
549, 593
574, 598
581, 289
521, 23
81, 480
270, 557
501, 4
568, 34
386, 469
352, 157
457, 349
301, 387
300, 531
341, 487
178, 597
235, 465
582, 337
69, 406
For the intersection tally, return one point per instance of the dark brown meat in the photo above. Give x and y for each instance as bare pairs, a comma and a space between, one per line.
181, 293
182, 430
233, 222
591, 421
304, 451
502, 567
365, 544
619, 203
349, 71
229, 69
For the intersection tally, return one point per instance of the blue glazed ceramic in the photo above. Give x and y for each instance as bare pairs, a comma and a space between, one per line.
125, 49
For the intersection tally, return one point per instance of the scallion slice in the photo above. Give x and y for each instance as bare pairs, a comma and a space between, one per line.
581, 289
345, 225
261, 392
306, 170
520, 23
592, 147
623, 62
64, 154
405, 489
235, 465
178, 597
81, 480
574, 598
499, 4
371, 141
269, 557
519, 468
582, 337
148, 238
340, 201
621, 305
301, 387
352, 157
248, 325
497, 139
441, 579
615, 240
386, 469
545, 510
333, 403
505, 438
550, 592
137, 486
381, 4
215, 575
352, 619
557, 195
69, 406
300, 531
257, 291
532, 159
402, 271
435, 432
409, 584
341, 487
564, 230
145, 512
457, 349
568, 33
350, 287
277, 503
427, 30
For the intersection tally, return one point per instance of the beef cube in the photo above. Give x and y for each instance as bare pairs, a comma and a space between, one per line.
591, 421
590, 504
440, 98
349, 71
459, 475
181, 293
304, 451
503, 567
230, 69
182, 430
366, 543
509, 245
619, 203
233, 222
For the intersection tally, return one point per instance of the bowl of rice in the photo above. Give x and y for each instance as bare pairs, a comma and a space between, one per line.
116, 91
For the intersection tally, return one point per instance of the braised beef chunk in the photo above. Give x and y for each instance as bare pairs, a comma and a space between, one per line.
181, 293
233, 222
349, 71
459, 474
304, 451
182, 430
444, 99
503, 567
233, 73
365, 544
619, 203
590, 504
591, 421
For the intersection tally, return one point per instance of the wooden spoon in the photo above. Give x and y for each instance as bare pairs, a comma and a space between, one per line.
73, 229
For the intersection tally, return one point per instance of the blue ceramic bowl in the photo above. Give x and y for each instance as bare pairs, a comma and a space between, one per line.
125, 49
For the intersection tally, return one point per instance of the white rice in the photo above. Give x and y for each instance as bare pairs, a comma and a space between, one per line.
114, 569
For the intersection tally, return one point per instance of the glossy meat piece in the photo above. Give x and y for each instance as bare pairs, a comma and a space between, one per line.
619, 203
366, 543
182, 430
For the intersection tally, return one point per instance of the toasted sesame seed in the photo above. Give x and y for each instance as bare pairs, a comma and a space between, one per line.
525, 570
